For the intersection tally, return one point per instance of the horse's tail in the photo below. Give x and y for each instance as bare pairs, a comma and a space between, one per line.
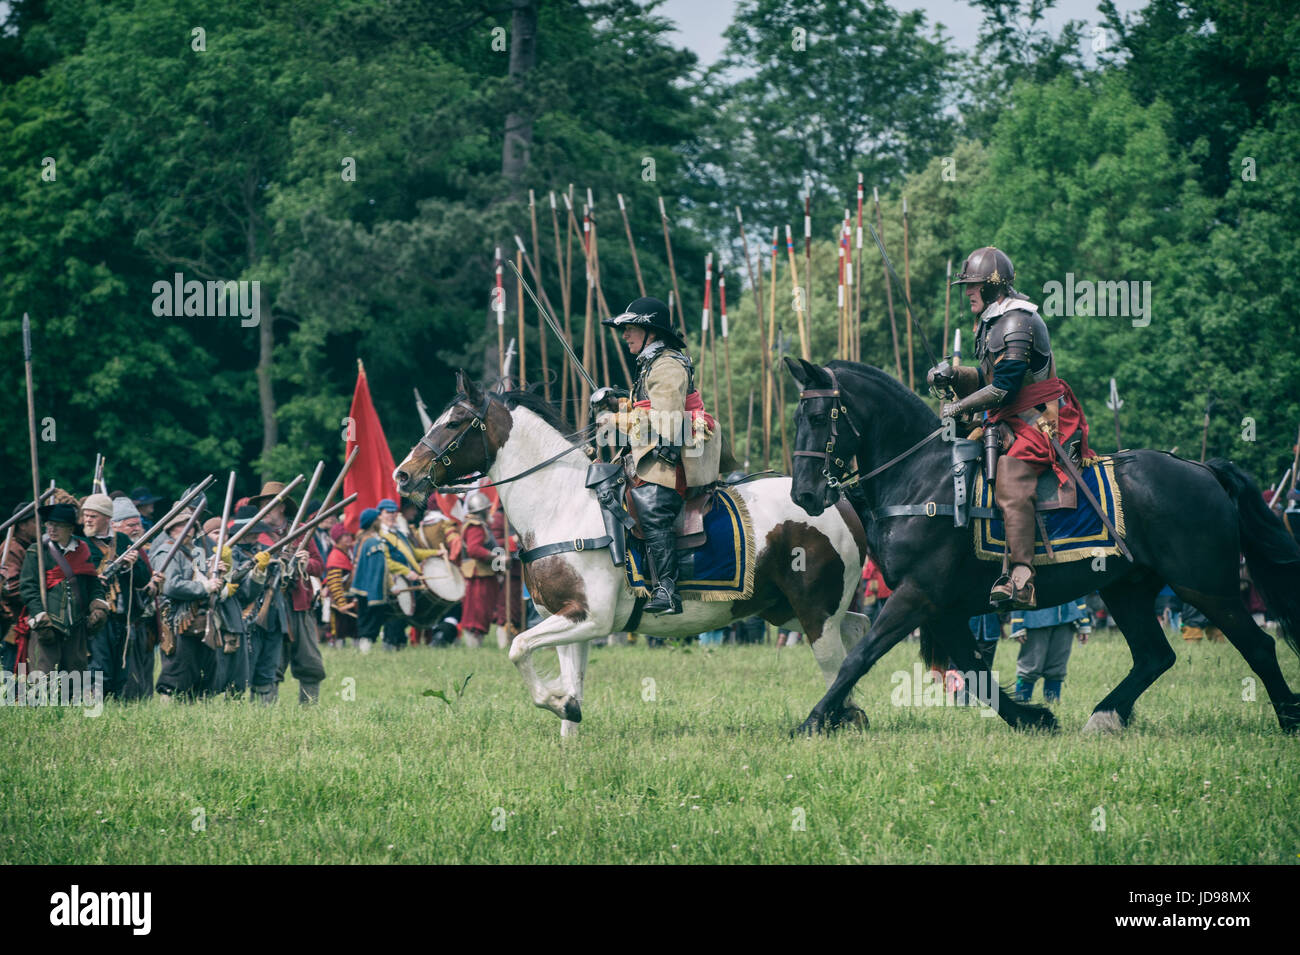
1272, 555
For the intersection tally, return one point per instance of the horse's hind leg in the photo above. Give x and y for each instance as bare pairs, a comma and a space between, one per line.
1132, 604
1228, 614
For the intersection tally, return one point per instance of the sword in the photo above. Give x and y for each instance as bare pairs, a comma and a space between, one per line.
550, 320
1067, 462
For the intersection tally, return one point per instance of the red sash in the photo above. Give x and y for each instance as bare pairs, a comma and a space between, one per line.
1031, 445
694, 406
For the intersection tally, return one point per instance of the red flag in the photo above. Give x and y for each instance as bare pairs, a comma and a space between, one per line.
371, 476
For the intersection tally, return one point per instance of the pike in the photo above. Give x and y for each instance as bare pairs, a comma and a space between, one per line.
423, 412
636, 264
706, 326
566, 372
841, 300
157, 528
726, 349
36, 470
857, 296
519, 304
550, 318
510, 355
800, 302
1277, 491
947, 302
498, 306
588, 342
891, 275
1114, 403
749, 427
889, 291
807, 251
541, 335
604, 309
672, 269
756, 283
771, 343
907, 294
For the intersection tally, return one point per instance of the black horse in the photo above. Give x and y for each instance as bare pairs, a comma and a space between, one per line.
938, 582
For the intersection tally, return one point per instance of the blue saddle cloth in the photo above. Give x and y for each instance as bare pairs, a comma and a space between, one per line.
1076, 533
722, 568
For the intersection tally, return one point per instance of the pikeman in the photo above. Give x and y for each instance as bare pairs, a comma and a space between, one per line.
139, 620
74, 605
17, 539
189, 664
1031, 409
286, 612
108, 646
671, 437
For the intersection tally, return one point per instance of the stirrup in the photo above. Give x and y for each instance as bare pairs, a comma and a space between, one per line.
666, 605
1003, 592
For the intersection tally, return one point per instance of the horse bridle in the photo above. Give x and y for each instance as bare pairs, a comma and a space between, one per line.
831, 454
847, 478
479, 421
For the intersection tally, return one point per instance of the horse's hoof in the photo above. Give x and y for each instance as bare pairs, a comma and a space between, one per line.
1288, 716
850, 716
1035, 717
812, 726
1103, 723
572, 709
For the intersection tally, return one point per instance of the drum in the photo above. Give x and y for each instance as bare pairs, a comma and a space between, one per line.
417, 604
443, 579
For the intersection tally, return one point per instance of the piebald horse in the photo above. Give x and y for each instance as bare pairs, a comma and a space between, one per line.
806, 572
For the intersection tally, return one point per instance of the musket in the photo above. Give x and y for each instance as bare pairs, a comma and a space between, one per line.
893, 277
189, 524
157, 528
36, 470
221, 540
4, 555
310, 525
236, 537
306, 497
97, 484
329, 495
26, 512
551, 320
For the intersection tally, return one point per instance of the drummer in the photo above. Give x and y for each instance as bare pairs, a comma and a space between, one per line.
403, 559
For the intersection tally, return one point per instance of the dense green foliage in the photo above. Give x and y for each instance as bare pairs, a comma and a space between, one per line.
1162, 154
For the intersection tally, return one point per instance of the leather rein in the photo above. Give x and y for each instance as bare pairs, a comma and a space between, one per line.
478, 422
832, 455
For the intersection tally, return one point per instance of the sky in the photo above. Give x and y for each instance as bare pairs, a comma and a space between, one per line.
701, 22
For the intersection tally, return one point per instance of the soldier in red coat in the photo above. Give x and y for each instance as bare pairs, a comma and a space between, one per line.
480, 548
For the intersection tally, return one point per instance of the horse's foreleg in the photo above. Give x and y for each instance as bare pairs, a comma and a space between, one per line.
555, 631
573, 667
906, 609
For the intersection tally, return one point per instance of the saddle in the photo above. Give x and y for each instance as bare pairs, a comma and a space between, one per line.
688, 529
610, 482
1048, 493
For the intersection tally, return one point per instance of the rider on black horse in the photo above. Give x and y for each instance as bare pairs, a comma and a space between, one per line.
669, 434
1015, 382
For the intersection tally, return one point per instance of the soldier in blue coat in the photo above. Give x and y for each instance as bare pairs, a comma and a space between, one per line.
1046, 637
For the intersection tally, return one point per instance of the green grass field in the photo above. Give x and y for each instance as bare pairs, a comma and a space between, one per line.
703, 773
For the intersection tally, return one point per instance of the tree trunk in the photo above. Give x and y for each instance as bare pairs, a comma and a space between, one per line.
519, 125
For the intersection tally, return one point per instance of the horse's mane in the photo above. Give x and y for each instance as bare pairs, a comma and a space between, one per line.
538, 406
903, 398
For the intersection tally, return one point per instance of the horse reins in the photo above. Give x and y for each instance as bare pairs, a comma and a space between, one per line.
830, 455
479, 422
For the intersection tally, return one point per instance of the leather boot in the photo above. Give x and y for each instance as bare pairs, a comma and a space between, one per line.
1014, 493
657, 509
266, 694
308, 693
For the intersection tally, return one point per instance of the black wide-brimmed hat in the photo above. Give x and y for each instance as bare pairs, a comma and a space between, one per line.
141, 495
59, 513
649, 313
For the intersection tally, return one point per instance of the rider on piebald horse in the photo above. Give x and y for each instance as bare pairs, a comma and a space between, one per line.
671, 438
1015, 382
